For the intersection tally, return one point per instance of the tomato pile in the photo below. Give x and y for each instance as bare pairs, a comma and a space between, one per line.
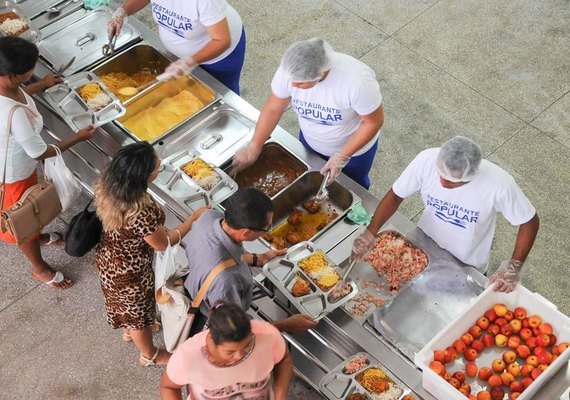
530, 347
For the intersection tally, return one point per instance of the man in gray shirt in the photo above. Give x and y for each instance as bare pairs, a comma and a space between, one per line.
216, 237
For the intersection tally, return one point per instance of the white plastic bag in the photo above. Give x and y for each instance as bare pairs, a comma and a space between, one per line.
172, 302
66, 184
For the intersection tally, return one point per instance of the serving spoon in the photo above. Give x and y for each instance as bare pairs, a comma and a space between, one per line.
57, 9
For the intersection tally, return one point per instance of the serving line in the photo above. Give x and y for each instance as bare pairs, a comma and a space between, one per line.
338, 335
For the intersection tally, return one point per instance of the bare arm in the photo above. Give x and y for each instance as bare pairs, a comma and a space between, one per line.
368, 128
168, 389
282, 374
220, 41
525, 238
296, 323
48, 81
80, 136
161, 237
133, 6
271, 113
386, 208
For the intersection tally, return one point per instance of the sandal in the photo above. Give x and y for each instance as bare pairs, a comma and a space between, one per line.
58, 282
155, 327
148, 362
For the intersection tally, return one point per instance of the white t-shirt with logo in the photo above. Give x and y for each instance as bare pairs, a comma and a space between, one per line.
462, 220
25, 141
329, 113
182, 25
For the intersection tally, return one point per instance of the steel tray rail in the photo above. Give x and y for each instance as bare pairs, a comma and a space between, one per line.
186, 191
370, 283
283, 272
31, 34
65, 100
337, 385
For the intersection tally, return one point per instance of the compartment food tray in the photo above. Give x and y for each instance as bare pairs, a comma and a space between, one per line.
186, 191
283, 272
66, 102
336, 385
32, 34
521, 296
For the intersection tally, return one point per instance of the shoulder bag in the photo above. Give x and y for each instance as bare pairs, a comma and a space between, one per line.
38, 206
83, 233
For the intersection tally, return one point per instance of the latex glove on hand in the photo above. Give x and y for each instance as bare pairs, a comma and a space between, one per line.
362, 245
245, 157
116, 22
508, 275
335, 164
178, 69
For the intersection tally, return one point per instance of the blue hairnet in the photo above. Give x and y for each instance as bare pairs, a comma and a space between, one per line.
307, 60
458, 159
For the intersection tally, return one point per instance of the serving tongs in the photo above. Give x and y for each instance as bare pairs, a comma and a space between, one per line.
323, 193
109, 48
344, 282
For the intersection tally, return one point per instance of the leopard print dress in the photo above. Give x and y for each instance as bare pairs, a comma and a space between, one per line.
124, 260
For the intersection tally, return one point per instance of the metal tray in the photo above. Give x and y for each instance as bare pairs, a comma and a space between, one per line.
340, 200
370, 283
138, 57
74, 110
215, 136
33, 8
283, 271
266, 166
32, 34
187, 192
336, 385
165, 90
84, 40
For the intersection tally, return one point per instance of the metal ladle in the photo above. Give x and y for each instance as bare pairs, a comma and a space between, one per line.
57, 9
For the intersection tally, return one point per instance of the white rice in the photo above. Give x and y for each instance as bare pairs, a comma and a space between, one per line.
208, 182
99, 101
13, 26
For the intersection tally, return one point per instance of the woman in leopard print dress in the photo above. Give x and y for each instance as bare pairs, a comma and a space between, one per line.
133, 228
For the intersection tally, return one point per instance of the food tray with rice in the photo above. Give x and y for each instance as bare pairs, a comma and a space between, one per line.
362, 377
193, 182
395, 262
82, 100
14, 23
306, 276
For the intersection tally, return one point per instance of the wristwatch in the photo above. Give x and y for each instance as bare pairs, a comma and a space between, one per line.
254, 260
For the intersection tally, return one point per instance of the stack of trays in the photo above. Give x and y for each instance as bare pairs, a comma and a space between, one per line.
189, 192
75, 111
9, 10
344, 381
317, 300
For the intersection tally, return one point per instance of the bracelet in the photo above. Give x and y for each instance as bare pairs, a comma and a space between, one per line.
254, 261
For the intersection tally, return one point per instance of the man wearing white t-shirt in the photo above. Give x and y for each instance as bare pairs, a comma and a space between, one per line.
462, 195
339, 105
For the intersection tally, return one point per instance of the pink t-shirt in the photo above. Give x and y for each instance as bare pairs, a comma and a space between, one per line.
250, 379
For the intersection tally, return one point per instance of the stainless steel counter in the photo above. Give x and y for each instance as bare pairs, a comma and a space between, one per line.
339, 335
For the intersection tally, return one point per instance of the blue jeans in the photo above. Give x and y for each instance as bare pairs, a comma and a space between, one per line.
228, 70
357, 168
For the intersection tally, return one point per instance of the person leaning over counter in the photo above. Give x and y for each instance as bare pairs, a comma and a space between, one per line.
236, 358
208, 33
338, 103
217, 237
462, 195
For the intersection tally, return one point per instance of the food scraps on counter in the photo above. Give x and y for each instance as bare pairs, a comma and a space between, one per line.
361, 304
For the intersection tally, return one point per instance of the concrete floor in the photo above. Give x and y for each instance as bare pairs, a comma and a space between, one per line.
494, 71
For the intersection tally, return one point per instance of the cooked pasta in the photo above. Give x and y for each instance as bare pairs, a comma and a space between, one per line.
117, 80
377, 383
203, 174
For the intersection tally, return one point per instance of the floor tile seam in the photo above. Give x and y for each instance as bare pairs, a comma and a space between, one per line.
527, 125
416, 17
531, 123
17, 299
361, 17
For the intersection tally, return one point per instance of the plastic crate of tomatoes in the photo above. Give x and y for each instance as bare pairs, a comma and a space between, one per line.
504, 346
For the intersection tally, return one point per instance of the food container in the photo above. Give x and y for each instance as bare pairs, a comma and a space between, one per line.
284, 271
191, 196
32, 34
84, 39
274, 170
66, 102
339, 202
141, 56
521, 296
338, 385
33, 8
200, 95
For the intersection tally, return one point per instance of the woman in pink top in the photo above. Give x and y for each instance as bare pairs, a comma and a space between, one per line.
234, 359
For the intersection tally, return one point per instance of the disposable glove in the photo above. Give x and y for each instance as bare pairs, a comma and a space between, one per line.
335, 164
115, 24
245, 157
363, 244
508, 275
178, 69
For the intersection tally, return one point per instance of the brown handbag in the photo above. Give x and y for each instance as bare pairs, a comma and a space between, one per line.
38, 206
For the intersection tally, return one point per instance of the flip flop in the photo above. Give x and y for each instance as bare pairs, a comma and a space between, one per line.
57, 279
155, 327
55, 239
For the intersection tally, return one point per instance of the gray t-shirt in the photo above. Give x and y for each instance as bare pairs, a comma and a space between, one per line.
207, 245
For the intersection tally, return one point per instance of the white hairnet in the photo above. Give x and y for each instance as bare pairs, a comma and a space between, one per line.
458, 159
307, 60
